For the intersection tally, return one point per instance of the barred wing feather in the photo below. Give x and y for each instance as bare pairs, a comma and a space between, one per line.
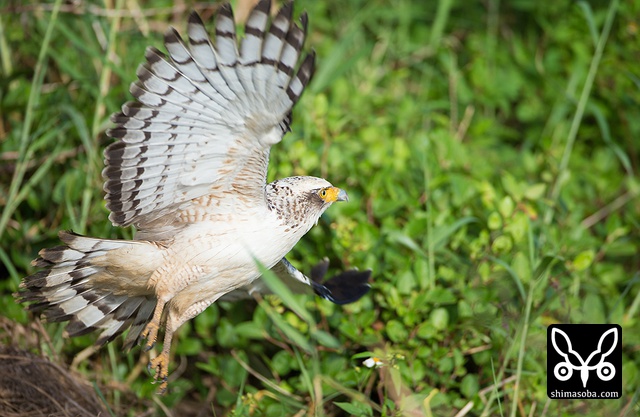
205, 117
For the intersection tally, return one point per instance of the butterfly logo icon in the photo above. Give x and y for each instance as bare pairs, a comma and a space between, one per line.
573, 361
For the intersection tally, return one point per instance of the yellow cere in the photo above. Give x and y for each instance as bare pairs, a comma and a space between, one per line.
333, 194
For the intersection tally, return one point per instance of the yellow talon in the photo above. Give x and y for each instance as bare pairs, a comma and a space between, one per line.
151, 334
161, 366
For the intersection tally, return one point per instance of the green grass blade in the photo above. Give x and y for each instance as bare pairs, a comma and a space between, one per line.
5, 52
588, 14
442, 16
513, 274
582, 103
36, 88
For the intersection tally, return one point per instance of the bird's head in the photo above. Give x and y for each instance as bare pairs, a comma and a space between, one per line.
300, 201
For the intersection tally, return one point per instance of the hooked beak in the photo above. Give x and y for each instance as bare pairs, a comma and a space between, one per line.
342, 196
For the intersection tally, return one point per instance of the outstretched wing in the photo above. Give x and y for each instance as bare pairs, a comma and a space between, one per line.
346, 287
205, 118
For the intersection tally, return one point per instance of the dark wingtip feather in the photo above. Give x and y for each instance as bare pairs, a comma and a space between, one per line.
37, 307
263, 6
51, 255
153, 55
68, 236
311, 56
37, 280
40, 263
286, 10
226, 10
78, 328
319, 270
55, 314
307, 68
304, 20
172, 36
194, 17
344, 288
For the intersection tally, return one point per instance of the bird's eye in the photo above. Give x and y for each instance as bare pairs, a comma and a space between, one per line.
323, 193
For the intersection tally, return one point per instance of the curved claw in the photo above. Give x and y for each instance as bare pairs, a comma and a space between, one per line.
151, 334
161, 366
149, 367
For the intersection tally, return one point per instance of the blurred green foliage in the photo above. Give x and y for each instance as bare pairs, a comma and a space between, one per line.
490, 152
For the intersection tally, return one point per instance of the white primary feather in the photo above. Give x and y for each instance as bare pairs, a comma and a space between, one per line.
205, 118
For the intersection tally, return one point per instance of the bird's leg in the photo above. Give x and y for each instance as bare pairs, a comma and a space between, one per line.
161, 362
182, 275
151, 330
176, 317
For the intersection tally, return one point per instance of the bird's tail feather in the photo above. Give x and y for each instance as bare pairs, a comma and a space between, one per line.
77, 286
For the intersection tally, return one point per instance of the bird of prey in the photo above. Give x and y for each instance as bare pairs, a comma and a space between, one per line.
188, 169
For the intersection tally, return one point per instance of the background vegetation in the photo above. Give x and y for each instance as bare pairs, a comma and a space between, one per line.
491, 152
